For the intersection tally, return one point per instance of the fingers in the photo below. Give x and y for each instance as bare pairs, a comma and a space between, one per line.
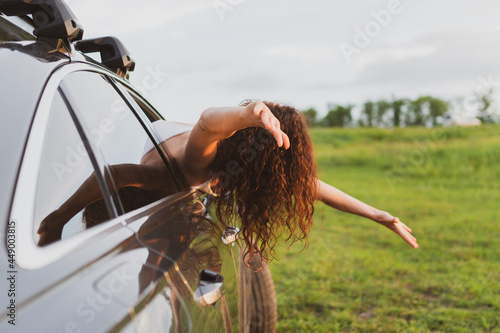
277, 137
411, 236
272, 124
286, 140
402, 230
411, 241
281, 138
264, 113
396, 220
404, 226
259, 107
41, 228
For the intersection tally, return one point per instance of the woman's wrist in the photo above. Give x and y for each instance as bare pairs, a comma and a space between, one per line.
222, 122
382, 216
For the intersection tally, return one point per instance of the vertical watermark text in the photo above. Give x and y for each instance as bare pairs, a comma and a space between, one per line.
11, 272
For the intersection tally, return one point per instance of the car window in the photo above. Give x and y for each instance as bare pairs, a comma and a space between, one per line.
64, 168
151, 115
138, 174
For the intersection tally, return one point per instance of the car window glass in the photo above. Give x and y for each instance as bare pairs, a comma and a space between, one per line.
64, 168
151, 115
138, 172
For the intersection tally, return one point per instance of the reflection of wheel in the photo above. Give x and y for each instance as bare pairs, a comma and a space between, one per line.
258, 310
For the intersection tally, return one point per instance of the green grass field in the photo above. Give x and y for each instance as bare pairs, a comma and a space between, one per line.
357, 276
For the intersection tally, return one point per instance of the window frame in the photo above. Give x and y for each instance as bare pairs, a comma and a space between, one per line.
144, 123
127, 91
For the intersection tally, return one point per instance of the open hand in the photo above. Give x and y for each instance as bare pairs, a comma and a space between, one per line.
51, 227
394, 224
257, 114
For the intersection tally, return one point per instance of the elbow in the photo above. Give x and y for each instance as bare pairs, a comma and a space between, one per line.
319, 191
205, 123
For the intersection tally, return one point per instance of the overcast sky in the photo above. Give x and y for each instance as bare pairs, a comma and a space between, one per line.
193, 54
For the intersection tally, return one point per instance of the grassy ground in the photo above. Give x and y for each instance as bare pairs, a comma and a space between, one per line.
356, 276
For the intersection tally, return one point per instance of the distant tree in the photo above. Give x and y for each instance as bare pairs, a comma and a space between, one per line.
397, 106
437, 108
383, 107
311, 116
369, 113
415, 115
485, 101
338, 116
426, 110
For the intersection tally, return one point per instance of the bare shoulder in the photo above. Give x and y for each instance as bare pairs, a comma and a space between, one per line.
176, 145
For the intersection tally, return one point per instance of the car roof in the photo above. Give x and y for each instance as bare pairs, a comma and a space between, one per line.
25, 68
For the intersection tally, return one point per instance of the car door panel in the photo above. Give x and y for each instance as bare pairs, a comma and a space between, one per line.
183, 241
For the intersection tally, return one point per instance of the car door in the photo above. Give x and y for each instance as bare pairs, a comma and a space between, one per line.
59, 273
76, 270
167, 217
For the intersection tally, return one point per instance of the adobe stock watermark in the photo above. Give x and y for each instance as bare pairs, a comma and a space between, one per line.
153, 78
483, 86
466, 111
76, 156
416, 159
87, 310
222, 7
319, 254
372, 29
409, 165
248, 151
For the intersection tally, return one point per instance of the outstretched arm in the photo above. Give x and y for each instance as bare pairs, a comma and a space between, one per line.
219, 123
337, 199
147, 177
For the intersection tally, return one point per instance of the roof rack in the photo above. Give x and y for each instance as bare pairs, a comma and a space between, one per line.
113, 54
54, 22
56, 25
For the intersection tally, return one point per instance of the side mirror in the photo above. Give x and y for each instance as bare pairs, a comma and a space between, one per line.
210, 288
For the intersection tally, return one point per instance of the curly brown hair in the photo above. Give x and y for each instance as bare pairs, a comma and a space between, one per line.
270, 189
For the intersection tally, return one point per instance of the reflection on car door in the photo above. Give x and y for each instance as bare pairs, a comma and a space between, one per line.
181, 238
184, 241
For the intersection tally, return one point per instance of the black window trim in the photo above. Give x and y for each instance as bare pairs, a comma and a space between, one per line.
99, 169
139, 113
144, 122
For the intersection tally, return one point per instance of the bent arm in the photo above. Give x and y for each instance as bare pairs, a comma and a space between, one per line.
147, 177
141, 176
219, 123
337, 199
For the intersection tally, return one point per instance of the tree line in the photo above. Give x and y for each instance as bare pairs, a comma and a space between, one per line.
398, 112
